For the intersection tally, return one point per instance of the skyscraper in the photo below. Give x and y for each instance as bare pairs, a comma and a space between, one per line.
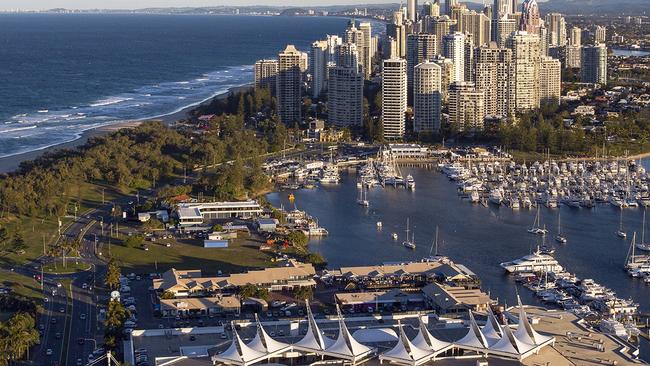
502, 8
526, 60
366, 51
575, 36
333, 41
600, 34
530, 21
476, 24
397, 31
504, 28
594, 64
289, 85
449, 5
556, 29
550, 80
419, 47
318, 67
412, 12
446, 76
440, 27
453, 46
345, 88
431, 9
466, 107
394, 98
572, 57
427, 97
266, 72
493, 76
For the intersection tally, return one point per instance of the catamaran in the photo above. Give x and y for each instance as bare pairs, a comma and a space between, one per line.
559, 237
620, 232
410, 241
536, 229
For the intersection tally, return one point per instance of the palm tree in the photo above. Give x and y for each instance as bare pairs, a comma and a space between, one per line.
17, 336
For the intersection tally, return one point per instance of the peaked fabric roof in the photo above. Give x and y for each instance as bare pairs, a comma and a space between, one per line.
239, 353
314, 340
474, 339
525, 331
425, 340
492, 329
270, 345
345, 345
406, 352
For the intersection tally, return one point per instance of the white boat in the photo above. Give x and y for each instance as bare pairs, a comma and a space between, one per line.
409, 242
536, 262
410, 182
535, 228
379, 224
474, 197
613, 327
496, 197
394, 236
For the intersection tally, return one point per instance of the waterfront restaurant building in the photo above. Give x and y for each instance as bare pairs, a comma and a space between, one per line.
193, 214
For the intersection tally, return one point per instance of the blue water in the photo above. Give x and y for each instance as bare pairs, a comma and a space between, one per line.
63, 74
638, 53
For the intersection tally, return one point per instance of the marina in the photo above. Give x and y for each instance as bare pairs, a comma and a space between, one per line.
470, 233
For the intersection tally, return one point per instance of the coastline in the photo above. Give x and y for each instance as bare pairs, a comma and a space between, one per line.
11, 163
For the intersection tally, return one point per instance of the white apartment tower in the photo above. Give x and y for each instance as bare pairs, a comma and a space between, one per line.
394, 98
466, 107
550, 78
412, 10
453, 46
600, 34
525, 72
556, 29
419, 48
289, 85
427, 97
493, 76
366, 55
318, 67
266, 72
594, 64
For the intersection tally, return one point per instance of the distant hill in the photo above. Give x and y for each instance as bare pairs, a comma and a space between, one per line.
586, 7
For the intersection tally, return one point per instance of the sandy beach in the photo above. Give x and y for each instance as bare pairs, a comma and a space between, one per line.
11, 163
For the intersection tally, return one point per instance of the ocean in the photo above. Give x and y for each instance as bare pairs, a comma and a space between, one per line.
62, 74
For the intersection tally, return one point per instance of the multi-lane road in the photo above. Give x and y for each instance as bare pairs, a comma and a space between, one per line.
69, 324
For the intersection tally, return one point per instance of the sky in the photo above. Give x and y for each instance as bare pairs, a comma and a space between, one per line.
136, 4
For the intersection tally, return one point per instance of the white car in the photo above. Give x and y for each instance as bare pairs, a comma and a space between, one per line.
48, 352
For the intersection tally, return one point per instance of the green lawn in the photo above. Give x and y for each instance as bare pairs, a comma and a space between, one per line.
189, 254
70, 267
21, 285
35, 230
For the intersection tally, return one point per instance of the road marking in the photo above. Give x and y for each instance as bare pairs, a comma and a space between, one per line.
69, 331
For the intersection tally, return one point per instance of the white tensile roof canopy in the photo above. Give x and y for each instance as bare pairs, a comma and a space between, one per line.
407, 353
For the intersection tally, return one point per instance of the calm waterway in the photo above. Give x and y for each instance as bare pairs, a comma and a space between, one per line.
473, 235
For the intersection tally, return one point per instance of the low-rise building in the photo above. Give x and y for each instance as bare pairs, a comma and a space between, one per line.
454, 300
407, 151
192, 284
200, 306
196, 213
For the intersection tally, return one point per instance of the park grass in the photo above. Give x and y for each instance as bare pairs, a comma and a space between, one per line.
21, 285
242, 254
72, 266
36, 230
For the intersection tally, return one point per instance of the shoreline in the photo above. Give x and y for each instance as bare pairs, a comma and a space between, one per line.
9, 164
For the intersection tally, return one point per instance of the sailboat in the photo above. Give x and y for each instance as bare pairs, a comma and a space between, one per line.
620, 232
544, 249
643, 245
535, 229
559, 237
409, 242
363, 198
434, 254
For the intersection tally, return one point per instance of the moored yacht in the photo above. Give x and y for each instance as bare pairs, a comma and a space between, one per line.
536, 262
